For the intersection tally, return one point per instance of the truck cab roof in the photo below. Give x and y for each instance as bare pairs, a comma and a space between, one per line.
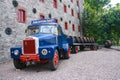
40, 22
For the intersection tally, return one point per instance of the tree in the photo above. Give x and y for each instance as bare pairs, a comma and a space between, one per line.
101, 23
93, 10
112, 21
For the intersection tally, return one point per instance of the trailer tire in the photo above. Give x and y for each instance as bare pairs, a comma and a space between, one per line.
94, 47
82, 48
75, 49
54, 62
18, 64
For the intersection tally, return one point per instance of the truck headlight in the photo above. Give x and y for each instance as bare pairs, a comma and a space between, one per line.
44, 51
16, 52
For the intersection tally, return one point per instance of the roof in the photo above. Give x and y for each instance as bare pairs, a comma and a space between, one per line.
43, 22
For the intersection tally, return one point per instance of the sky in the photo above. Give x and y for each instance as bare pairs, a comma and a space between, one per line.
113, 2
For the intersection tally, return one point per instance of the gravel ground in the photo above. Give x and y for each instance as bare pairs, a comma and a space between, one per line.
103, 64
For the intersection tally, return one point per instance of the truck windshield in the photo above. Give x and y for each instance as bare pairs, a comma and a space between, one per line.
33, 30
50, 29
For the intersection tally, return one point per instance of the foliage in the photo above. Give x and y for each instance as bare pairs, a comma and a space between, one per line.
101, 23
112, 20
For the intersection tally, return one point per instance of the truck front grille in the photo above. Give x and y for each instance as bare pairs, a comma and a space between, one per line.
29, 46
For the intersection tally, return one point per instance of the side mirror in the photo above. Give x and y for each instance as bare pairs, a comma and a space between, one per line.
26, 32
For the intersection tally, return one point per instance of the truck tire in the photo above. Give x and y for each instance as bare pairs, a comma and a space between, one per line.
94, 47
54, 62
67, 55
75, 49
18, 64
81, 48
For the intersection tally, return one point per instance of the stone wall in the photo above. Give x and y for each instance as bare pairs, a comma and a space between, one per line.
8, 20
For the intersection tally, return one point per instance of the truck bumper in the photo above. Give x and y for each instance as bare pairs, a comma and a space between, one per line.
33, 58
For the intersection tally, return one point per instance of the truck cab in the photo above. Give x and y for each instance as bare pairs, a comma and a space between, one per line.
45, 42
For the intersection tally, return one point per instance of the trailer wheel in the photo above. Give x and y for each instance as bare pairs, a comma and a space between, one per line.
18, 64
81, 47
54, 61
94, 47
67, 55
76, 49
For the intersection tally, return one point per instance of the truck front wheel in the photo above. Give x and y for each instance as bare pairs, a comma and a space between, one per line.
54, 61
18, 64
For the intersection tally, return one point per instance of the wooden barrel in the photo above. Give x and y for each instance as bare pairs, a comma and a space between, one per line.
107, 44
93, 40
85, 40
78, 39
81, 39
88, 40
75, 39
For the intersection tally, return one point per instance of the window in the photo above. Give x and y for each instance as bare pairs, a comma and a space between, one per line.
21, 15
42, 16
77, 2
60, 0
50, 29
65, 8
42, 0
55, 3
69, 21
33, 30
71, 0
73, 27
72, 12
61, 19
49, 15
78, 28
78, 15
56, 20
66, 25
68, 6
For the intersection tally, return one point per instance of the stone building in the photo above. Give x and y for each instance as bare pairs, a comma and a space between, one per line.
15, 15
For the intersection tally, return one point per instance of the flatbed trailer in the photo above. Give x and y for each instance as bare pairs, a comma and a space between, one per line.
76, 47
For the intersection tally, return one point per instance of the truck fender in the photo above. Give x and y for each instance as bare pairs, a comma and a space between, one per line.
12, 52
65, 47
49, 48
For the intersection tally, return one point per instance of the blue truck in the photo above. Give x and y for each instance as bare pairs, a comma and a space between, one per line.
46, 42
